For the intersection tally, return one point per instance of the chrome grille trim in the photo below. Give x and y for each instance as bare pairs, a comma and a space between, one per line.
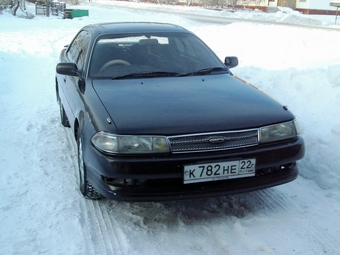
213, 141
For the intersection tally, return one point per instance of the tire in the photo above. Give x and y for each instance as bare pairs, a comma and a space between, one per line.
85, 187
63, 117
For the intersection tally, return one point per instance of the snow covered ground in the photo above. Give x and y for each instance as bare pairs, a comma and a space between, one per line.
41, 209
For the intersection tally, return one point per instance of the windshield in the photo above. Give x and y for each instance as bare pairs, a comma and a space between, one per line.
152, 55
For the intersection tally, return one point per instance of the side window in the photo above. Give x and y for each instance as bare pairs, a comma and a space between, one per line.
79, 48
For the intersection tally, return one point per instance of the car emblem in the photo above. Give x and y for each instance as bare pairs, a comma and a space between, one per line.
216, 140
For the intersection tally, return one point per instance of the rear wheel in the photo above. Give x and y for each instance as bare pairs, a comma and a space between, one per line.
85, 187
63, 117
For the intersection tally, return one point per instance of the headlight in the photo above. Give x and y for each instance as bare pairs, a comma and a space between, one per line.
278, 132
129, 144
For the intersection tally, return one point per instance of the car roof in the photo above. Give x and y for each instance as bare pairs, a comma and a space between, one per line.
133, 27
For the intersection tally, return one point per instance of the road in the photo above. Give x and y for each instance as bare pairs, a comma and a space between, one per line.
211, 16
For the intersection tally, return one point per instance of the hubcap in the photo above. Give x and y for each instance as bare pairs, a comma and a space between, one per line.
81, 164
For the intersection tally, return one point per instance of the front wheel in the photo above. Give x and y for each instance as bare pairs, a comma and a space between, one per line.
85, 187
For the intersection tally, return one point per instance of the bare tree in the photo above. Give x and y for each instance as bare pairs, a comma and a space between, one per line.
257, 3
4, 4
16, 4
233, 3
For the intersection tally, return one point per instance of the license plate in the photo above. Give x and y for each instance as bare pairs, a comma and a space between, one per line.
219, 171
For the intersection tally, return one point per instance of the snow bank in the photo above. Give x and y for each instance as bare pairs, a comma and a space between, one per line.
315, 101
299, 68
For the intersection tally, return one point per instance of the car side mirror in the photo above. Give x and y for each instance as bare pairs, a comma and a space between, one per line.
68, 69
231, 62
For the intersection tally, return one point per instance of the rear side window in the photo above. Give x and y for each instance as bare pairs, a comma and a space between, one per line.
78, 49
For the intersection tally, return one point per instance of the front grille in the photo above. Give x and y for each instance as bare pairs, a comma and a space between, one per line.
213, 141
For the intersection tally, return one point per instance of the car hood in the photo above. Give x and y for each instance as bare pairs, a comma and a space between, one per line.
184, 105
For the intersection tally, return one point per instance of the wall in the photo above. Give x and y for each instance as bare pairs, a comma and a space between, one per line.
287, 3
303, 6
314, 5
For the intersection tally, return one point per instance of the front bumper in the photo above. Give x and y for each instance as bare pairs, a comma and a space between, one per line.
155, 178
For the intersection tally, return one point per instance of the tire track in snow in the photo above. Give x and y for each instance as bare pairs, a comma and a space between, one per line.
302, 224
88, 222
90, 228
101, 230
111, 225
103, 236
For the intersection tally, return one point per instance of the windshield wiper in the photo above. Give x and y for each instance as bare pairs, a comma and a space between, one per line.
205, 71
146, 75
